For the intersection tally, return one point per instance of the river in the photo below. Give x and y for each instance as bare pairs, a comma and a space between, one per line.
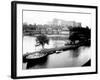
70, 58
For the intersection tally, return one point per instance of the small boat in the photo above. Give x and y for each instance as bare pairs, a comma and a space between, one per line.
36, 56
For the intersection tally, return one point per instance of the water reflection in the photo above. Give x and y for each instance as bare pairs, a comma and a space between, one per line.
75, 52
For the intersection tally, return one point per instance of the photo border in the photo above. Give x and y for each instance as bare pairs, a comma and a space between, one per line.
14, 38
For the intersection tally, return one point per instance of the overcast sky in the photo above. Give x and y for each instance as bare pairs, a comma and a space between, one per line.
32, 17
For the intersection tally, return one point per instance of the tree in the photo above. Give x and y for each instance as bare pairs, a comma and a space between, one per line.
42, 40
79, 33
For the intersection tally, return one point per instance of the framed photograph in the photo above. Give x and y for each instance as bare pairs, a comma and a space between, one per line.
50, 39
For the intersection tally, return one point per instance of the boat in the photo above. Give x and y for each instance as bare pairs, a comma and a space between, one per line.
35, 56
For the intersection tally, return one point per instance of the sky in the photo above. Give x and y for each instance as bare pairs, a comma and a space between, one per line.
40, 17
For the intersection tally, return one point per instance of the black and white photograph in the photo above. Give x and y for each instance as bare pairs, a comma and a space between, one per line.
55, 39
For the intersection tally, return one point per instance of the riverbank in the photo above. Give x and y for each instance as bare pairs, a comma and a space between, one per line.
45, 52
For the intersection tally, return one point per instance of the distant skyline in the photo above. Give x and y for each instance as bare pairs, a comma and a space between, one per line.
37, 17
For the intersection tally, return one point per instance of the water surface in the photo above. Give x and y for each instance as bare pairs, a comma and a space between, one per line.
69, 58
